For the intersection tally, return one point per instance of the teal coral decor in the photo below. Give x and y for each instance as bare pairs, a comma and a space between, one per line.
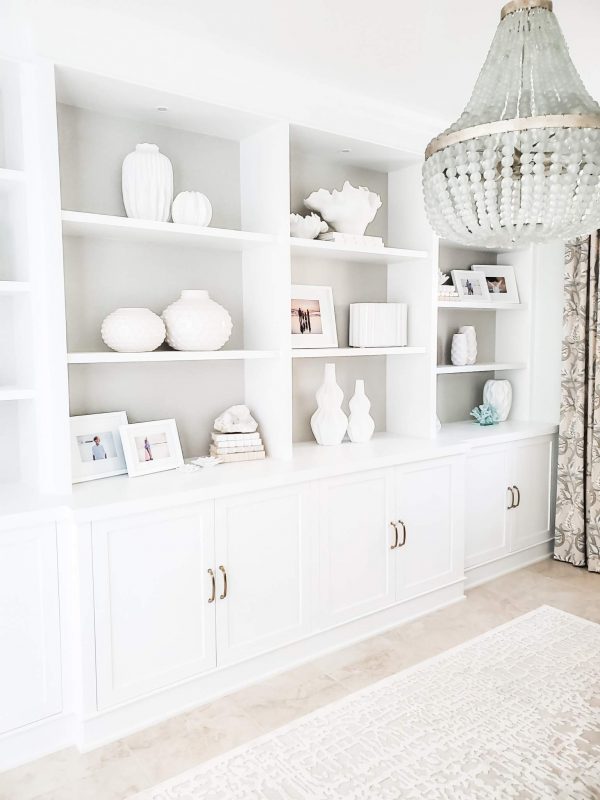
485, 415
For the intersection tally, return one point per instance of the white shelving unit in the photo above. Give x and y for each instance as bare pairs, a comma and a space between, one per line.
311, 248
457, 305
110, 357
355, 352
450, 369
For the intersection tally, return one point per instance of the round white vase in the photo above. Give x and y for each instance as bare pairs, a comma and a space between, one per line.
133, 330
361, 424
329, 423
195, 322
458, 354
147, 182
192, 208
499, 395
469, 332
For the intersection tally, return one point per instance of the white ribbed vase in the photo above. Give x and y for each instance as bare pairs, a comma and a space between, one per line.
195, 322
147, 182
361, 424
469, 332
329, 423
133, 330
192, 208
499, 395
459, 351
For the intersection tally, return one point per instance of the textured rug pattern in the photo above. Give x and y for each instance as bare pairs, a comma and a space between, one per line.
513, 714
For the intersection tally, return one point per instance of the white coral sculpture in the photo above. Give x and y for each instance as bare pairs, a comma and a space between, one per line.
308, 227
348, 211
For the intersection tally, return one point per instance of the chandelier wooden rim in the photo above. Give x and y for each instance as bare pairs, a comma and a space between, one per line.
510, 126
520, 5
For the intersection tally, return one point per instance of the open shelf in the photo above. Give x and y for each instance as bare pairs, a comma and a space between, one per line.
109, 357
105, 226
462, 306
336, 252
14, 287
450, 369
9, 393
341, 352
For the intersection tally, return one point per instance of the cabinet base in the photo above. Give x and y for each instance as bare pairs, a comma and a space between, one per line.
501, 566
30, 742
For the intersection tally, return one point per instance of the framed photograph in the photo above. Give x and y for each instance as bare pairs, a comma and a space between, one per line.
151, 447
471, 286
312, 317
501, 282
96, 449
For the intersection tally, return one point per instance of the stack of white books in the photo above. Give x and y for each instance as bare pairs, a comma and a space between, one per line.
237, 446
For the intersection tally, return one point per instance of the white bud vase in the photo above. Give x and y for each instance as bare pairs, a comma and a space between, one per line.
469, 332
133, 330
147, 182
192, 208
498, 394
361, 424
195, 322
458, 354
329, 423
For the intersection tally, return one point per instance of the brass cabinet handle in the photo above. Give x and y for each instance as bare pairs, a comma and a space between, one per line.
224, 595
511, 489
395, 527
518, 491
403, 542
211, 599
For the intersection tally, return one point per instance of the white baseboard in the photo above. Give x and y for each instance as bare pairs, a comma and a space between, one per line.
25, 744
475, 576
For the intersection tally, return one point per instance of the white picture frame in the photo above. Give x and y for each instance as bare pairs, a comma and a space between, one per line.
471, 286
96, 446
501, 282
151, 447
312, 317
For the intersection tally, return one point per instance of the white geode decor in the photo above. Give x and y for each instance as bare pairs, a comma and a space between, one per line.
133, 330
192, 208
459, 351
498, 394
147, 183
236, 419
471, 334
348, 211
329, 423
361, 424
195, 322
308, 227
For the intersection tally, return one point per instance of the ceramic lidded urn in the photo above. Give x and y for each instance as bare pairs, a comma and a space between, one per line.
192, 208
133, 330
195, 322
361, 424
147, 183
329, 423
498, 394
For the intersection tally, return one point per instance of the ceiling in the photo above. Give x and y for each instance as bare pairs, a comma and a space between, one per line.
421, 55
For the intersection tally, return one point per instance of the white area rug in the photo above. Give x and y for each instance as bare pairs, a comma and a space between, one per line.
514, 713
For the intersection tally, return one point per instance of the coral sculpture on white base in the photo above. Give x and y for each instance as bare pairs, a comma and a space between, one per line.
308, 227
348, 211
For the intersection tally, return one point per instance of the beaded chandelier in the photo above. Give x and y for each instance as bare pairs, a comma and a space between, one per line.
522, 163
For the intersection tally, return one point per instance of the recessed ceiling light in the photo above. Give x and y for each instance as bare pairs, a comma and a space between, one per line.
162, 108
345, 150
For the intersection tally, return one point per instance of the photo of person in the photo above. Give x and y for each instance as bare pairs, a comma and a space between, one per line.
496, 285
306, 317
153, 447
471, 288
96, 447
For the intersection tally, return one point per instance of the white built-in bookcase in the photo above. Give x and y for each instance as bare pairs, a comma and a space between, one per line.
255, 170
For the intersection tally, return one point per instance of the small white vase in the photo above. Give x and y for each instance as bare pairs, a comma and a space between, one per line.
195, 322
329, 423
192, 208
499, 395
147, 183
133, 330
361, 424
471, 335
458, 354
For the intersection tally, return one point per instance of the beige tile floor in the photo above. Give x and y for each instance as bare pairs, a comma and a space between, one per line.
120, 769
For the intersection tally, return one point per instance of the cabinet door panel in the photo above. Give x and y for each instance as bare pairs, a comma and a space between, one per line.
30, 670
154, 625
532, 474
263, 542
355, 564
429, 502
486, 503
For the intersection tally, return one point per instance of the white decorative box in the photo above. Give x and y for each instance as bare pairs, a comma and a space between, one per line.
378, 324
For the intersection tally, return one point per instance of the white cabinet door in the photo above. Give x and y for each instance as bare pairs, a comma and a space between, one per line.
154, 624
263, 566
30, 670
429, 505
355, 558
532, 475
487, 500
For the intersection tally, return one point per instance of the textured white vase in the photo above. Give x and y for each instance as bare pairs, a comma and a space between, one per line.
499, 395
147, 182
459, 351
469, 332
361, 424
195, 322
133, 330
329, 423
192, 208
378, 325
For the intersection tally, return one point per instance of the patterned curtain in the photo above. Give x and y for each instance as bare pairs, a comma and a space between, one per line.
577, 536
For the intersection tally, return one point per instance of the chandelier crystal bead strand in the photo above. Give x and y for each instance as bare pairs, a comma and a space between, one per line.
522, 163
